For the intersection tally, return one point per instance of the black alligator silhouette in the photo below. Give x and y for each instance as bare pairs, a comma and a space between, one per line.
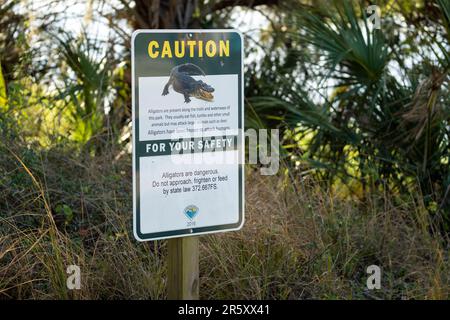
182, 82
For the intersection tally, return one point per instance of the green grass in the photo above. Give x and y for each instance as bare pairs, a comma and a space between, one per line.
302, 242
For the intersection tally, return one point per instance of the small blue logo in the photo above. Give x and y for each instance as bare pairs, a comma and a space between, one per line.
191, 211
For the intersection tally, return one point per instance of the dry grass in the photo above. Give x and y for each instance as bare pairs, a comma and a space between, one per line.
297, 243
311, 244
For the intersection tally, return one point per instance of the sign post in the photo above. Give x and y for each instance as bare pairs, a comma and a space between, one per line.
182, 268
188, 173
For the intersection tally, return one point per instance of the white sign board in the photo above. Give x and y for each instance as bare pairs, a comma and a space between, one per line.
188, 173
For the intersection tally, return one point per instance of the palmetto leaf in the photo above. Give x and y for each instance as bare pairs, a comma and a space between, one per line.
86, 86
304, 113
347, 43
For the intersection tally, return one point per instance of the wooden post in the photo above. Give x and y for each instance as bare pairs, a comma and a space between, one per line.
183, 274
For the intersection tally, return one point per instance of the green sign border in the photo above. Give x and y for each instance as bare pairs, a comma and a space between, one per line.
135, 136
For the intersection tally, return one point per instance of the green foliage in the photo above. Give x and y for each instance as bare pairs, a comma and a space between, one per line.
13, 44
66, 212
358, 54
384, 123
86, 85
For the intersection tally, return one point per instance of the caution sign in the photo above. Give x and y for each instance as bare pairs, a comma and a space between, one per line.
188, 111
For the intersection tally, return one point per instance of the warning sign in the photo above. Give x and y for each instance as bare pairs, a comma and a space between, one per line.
187, 132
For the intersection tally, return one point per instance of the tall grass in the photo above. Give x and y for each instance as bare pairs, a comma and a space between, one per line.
301, 240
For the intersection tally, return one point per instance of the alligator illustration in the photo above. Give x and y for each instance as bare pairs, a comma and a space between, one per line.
182, 82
